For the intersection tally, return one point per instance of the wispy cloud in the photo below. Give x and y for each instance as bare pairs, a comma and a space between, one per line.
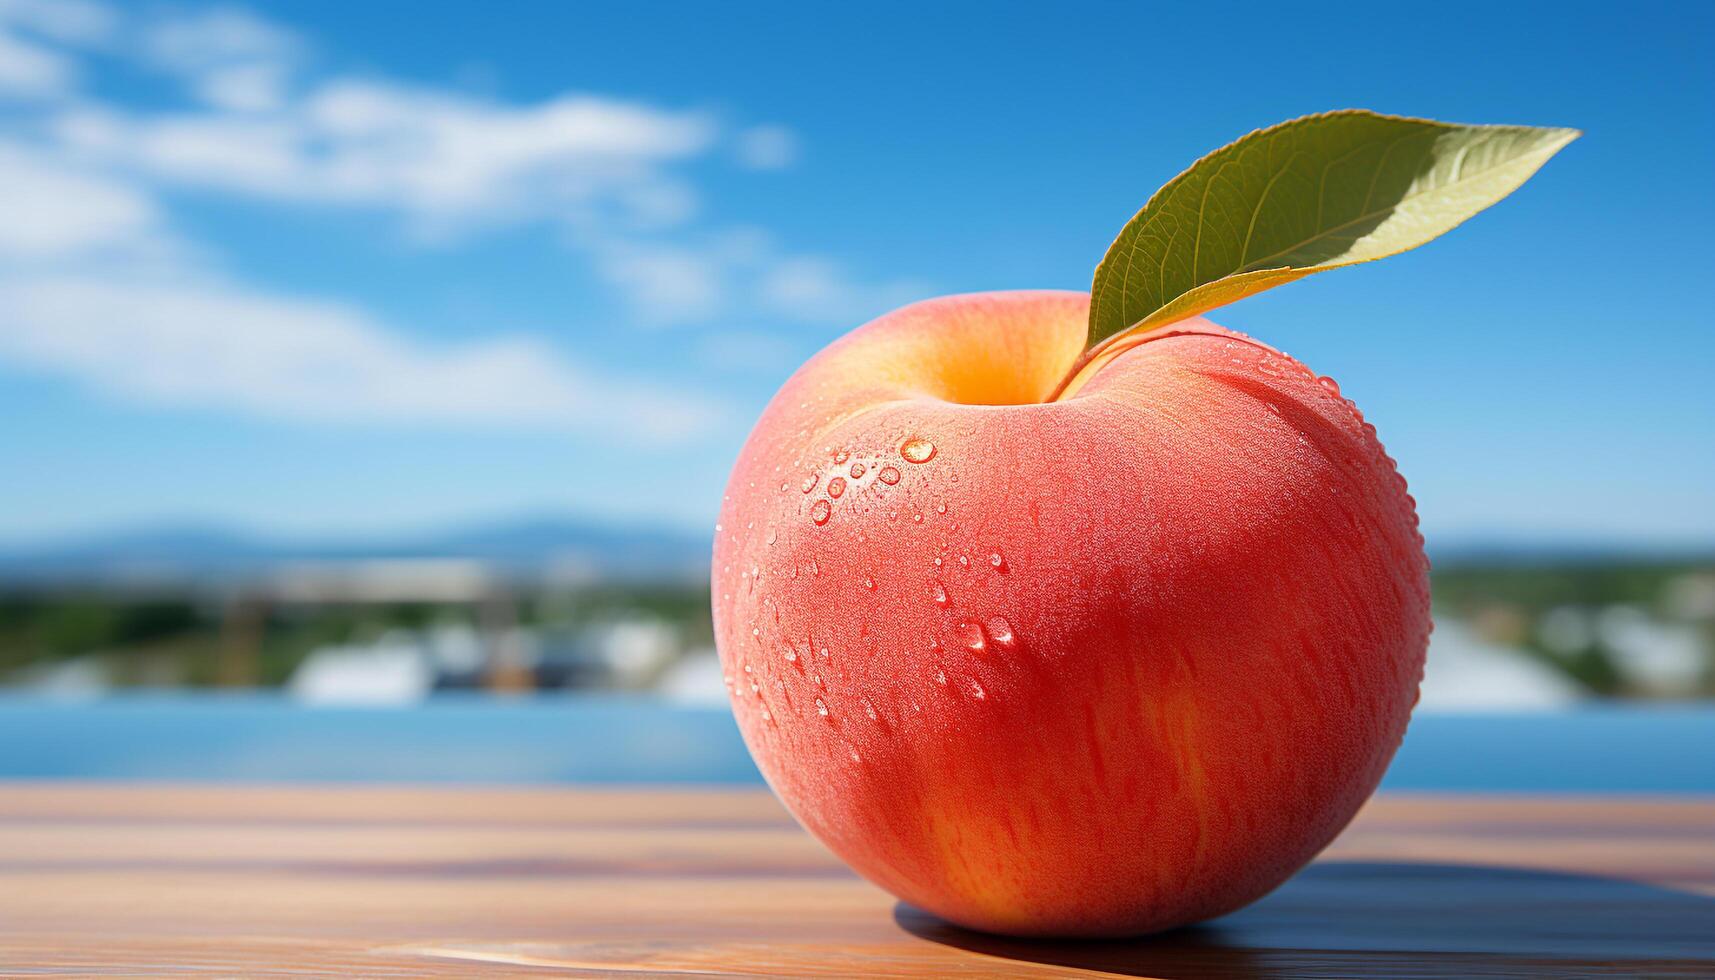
31, 64
435, 157
52, 211
206, 344
98, 284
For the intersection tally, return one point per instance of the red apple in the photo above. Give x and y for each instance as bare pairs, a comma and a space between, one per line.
1094, 666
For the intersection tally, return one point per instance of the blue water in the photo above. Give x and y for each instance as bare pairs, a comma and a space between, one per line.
588, 739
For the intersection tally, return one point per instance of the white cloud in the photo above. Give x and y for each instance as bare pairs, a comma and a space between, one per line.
430, 155
79, 22
28, 69
31, 68
231, 59
49, 211
96, 286
767, 148
210, 345
740, 274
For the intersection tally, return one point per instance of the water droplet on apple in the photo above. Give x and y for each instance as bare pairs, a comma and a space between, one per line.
941, 508
791, 655
1330, 384
858, 470
977, 690
869, 709
888, 475
772, 536
819, 512
916, 518
825, 653
809, 483
973, 635
938, 592
917, 450
869, 583
997, 561
821, 707
1000, 631
842, 456
940, 677
836, 486
964, 561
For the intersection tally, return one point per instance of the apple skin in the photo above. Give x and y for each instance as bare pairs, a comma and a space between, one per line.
1097, 667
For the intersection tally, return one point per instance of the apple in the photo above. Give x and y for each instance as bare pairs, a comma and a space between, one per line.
1098, 666
1067, 614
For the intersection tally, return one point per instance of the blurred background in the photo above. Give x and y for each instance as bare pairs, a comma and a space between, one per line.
370, 373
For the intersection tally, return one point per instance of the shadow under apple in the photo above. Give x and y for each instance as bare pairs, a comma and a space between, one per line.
1384, 920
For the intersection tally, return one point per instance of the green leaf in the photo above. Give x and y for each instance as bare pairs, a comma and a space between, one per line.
1311, 194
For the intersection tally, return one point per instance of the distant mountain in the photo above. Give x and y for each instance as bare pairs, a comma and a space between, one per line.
549, 546
1447, 551
527, 547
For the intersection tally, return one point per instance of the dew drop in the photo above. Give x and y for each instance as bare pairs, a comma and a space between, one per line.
1000, 631
1330, 384
791, 655
821, 707
815, 566
888, 475
974, 637
938, 592
869, 709
941, 508
825, 653
858, 470
916, 518
842, 456
836, 486
917, 450
964, 561
809, 483
772, 536
997, 562
766, 716
869, 583
940, 677
819, 513
977, 690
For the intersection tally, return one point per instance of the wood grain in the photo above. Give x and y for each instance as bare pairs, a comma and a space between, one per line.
130, 880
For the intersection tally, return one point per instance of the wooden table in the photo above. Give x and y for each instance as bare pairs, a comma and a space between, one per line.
152, 881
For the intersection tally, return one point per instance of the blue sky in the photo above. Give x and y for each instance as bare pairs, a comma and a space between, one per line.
329, 268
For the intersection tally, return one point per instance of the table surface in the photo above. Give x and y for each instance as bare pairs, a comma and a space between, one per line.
143, 880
